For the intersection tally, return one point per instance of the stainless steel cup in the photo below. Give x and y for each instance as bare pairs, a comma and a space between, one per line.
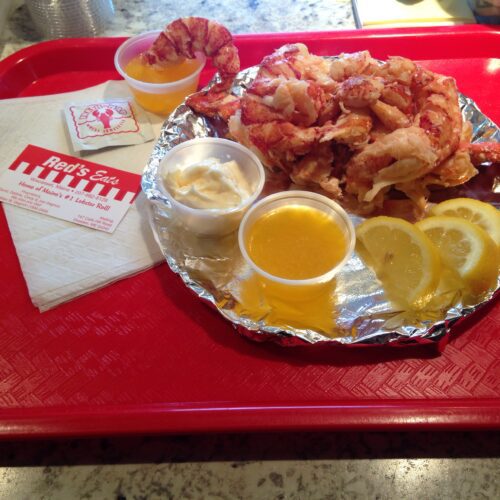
70, 18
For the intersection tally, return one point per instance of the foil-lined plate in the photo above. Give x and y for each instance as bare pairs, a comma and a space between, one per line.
355, 310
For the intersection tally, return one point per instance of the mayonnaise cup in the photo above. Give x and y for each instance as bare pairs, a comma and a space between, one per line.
211, 221
160, 98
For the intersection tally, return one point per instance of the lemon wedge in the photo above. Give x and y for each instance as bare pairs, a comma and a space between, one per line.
403, 257
478, 212
465, 247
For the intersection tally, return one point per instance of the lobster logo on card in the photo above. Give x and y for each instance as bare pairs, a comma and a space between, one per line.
69, 188
95, 120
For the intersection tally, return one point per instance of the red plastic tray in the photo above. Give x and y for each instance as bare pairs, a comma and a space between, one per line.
144, 355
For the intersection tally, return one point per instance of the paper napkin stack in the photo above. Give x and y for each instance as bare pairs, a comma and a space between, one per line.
61, 260
393, 13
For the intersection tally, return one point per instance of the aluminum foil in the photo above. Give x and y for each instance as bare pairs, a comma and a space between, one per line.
70, 18
355, 310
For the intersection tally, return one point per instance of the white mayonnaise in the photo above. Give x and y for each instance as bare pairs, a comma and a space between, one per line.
208, 184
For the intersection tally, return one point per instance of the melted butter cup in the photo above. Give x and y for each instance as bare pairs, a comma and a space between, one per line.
296, 255
159, 98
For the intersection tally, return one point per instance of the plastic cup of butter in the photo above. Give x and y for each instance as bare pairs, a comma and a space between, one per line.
211, 221
159, 98
329, 212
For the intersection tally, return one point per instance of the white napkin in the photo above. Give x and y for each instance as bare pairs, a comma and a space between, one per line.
61, 260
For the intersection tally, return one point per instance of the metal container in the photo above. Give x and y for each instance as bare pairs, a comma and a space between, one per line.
70, 18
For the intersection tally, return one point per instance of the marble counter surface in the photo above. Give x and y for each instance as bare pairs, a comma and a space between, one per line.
274, 466
251, 16
298, 466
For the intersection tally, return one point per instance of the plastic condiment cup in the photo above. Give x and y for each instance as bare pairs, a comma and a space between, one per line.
160, 98
297, 289
211, 221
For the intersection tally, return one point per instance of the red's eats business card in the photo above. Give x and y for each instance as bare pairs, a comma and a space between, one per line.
69, 188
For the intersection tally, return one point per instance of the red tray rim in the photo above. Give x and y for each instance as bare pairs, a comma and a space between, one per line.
365, 415
465, 30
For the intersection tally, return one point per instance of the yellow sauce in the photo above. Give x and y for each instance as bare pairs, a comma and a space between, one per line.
314, 310
168, 73
296, 242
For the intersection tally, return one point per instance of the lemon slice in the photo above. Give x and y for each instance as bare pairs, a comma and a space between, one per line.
402, 256
478, 212
465, 247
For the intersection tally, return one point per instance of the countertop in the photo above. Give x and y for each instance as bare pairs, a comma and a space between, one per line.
293, 466
252, 16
